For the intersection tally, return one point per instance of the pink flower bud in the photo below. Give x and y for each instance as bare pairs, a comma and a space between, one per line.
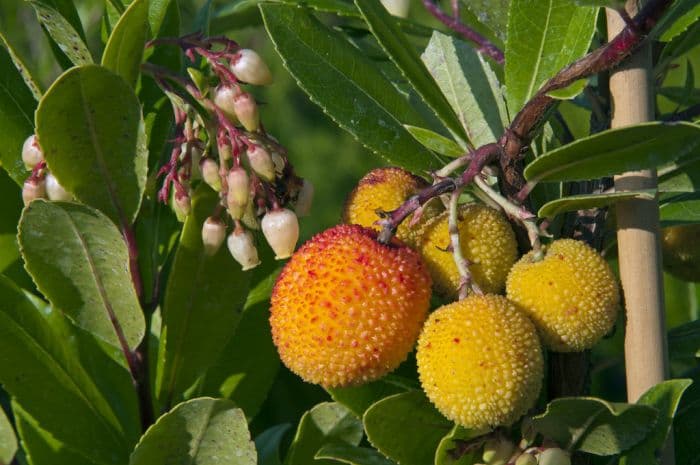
261, 162
240, 244
238, 192
213, 235
210, 173
281, 229
182, 205
249, 67
31, 152
224, 97
247, 111
225, 152
304, 199
33, 189
54, 190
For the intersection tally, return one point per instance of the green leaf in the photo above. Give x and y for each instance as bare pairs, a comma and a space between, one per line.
8, 440
492, 13
69, 40
78, 259
448, 451
39, 446
11, 208
21, 68
360, 398
17, 105
352, 455
203, 304
407, 60
684, 342
90, 127
436, 142
677, 20
421, 426
204, 431
347, 85
686, 425
41, 359
615, 151
665, 398
586, 201
124, 50
595, 426
543, 37
268, 444
470, 86
324, 424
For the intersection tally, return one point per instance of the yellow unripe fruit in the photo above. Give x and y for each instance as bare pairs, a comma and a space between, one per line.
487, 241
681, 251
480, 361
386, 189
571, 295
346, 309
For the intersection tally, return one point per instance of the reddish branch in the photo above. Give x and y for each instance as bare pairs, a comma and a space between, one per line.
515, 141
484, 45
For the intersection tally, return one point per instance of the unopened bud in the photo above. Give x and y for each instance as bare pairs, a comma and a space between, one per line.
54, 190
213, 235
554, 456
210, 173
225, 152
279, 162
304, 199
247, 111
261, 162
397, 7
195, 159
240, 244
224, 97
182, 206
250, 218
249, 67
526, 459
31, 152
281, 229
33, 189
238, 192
497, 451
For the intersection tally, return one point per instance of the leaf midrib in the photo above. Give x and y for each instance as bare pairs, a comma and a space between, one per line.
536, 71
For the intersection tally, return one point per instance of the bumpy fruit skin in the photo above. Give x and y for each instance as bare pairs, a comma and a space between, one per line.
386, 189
487, 241
346, 309
680, 246
571, 295
480, 361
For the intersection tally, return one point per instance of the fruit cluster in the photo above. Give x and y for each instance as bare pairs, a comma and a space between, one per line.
348, 309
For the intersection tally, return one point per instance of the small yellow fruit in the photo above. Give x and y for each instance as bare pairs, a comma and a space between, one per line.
386, 189
487, 241
681, 251
480, 361
571, 295
346, 309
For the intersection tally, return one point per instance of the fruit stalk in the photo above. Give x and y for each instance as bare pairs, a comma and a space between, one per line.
465, 277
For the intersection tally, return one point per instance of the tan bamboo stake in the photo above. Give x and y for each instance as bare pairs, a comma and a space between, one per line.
646, 360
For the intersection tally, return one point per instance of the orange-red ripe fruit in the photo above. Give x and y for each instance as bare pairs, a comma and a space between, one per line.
346, 309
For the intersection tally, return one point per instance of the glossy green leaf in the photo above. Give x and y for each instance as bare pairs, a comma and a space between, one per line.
677, 20
616, 151
124, 49
421, 426
359, 398
39, 446
78, 259
407, 60
470, 86
449, 451
326, 423
686, 425
353, 455
11, 207
436, 142
17, 105
90, 127
586, 201
22, 69
543, 37
40, 359
204, 431
595, 426
63, 33
682, 175
680, 209
665, 398
684, 342
492, 13
347, 85
8, 440
268, 444
203, 304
